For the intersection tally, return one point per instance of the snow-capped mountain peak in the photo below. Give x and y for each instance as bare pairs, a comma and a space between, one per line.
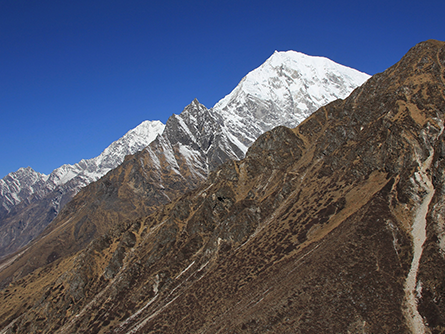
284, 90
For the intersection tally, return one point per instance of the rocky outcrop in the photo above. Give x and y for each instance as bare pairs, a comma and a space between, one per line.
314, 231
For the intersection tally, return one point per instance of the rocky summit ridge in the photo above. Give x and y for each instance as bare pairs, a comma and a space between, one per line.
335, 226
283, 91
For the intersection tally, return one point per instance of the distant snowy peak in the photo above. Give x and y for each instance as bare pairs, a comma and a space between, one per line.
287, 77
21, 185
285, 90
92, 169
293, 72
133, 141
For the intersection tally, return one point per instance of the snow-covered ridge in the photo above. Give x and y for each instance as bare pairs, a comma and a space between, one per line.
24, 183
133, 141
284, 90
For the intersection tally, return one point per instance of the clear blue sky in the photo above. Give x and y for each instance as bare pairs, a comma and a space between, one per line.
77, 75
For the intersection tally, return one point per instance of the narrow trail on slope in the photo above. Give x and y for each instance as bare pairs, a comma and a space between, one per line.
418, 232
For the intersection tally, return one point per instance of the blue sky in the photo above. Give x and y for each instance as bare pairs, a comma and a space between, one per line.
77, 75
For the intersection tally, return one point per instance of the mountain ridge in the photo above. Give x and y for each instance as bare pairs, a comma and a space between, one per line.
30, 200
199, 137
92, 169
311, 232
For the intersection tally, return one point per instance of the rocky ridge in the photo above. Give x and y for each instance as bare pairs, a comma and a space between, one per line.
314, 231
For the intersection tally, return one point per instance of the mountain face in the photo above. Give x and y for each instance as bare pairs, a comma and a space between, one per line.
29, 200
192, 144
283, 91
333, 226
